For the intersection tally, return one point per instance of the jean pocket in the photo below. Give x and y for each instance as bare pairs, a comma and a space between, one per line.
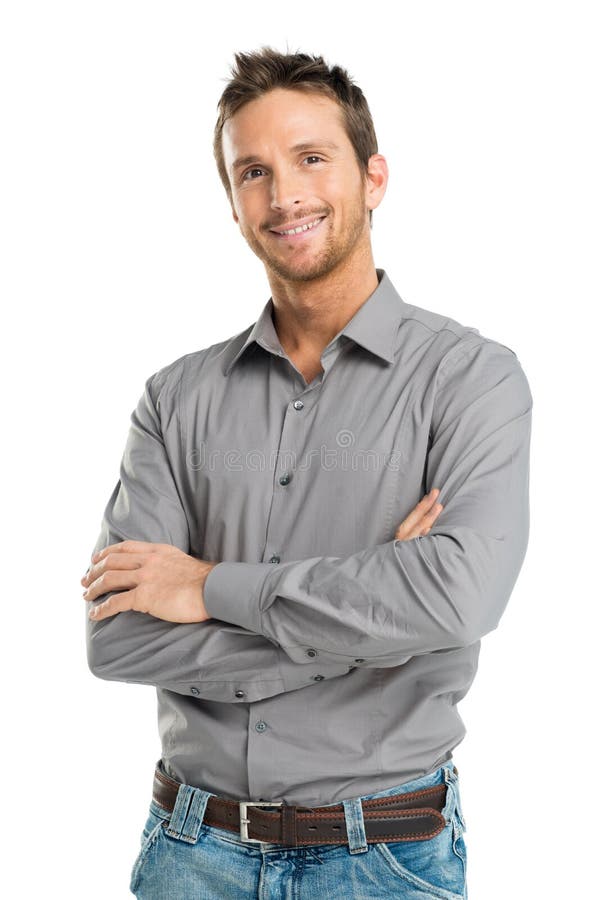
153, 827
459, 846
426, 869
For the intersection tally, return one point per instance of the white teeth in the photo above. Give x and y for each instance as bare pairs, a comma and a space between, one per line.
301, 228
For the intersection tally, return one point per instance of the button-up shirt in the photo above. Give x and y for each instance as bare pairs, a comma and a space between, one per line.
335, 655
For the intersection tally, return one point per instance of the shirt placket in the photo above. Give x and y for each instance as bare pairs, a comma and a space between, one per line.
261, 728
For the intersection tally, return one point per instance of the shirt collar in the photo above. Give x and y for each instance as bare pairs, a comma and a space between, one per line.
373, 326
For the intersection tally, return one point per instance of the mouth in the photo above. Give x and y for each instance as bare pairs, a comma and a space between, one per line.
299, 231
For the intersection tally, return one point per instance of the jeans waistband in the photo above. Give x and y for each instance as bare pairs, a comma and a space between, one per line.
187, 817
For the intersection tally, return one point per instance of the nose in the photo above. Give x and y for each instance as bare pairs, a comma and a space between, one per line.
286, 190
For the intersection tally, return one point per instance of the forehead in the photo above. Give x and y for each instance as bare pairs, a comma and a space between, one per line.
282, 119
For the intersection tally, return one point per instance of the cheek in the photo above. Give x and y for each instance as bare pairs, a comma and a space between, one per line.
252, 212
341, 191
244, 221
328, 186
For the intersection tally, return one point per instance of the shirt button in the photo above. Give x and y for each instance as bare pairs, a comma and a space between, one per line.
285, 478
274, 559
194, 690
311, 652
318, 677
239, 694
298, 404
260, 726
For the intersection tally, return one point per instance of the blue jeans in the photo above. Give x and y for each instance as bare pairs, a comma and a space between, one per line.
182, 858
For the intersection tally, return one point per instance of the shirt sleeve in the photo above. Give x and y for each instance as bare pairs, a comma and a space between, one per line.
383, 605
211, 660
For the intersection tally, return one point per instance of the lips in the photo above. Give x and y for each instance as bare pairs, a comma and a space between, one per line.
298, 223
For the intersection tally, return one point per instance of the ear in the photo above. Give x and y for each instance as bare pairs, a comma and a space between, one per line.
376, 180
234, 215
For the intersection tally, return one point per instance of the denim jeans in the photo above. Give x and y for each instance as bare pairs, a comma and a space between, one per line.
183, 858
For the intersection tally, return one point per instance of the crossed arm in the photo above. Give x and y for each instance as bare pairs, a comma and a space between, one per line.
383, 604
443, 591
147, 621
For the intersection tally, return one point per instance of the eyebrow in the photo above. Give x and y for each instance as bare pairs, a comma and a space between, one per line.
304, 145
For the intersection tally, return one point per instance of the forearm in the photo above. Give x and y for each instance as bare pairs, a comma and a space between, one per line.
211, 660
387, 603
380, 606
221, 661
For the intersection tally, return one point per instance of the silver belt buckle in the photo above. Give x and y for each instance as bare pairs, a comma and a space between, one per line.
244, 821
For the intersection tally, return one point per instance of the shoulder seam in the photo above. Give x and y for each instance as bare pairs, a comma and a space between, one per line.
466, 329
463, 348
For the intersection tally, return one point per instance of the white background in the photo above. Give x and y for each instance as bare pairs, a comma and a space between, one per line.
119, 255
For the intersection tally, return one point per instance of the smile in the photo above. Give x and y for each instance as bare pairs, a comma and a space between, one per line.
298, 230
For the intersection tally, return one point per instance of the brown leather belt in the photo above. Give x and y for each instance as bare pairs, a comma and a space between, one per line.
405, 817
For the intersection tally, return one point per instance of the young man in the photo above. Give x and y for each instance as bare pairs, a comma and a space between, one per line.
309, 655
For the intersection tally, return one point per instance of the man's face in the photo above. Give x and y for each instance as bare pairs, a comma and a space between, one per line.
290, 161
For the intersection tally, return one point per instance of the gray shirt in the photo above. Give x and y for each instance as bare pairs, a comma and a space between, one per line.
336, 655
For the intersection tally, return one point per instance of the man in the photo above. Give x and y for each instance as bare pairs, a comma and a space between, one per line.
308, 654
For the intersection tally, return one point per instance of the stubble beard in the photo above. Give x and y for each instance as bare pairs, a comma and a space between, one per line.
333, 252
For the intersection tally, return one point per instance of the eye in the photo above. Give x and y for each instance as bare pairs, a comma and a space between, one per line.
249, 172
313, 156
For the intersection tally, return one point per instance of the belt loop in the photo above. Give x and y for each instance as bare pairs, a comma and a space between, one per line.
289, 832
450, 779
355, 826
188, 812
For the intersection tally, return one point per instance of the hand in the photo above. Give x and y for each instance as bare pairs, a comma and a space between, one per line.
157, 579
419, 521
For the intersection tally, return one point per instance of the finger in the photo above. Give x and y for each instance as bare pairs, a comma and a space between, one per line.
111, 581
419, 510
117, 603
431, 515
427, 522
422, 507
113, 561
130, 547
422, 526
429, 518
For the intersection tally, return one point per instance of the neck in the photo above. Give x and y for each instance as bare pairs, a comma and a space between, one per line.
307, 315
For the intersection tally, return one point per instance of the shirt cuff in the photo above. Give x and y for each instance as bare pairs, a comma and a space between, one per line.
232, 591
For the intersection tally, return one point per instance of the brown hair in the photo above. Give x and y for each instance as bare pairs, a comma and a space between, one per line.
260, 71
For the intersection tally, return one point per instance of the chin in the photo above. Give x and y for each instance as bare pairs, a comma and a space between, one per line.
307, 271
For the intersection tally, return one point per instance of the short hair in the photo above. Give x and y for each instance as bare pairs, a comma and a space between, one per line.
259, 71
